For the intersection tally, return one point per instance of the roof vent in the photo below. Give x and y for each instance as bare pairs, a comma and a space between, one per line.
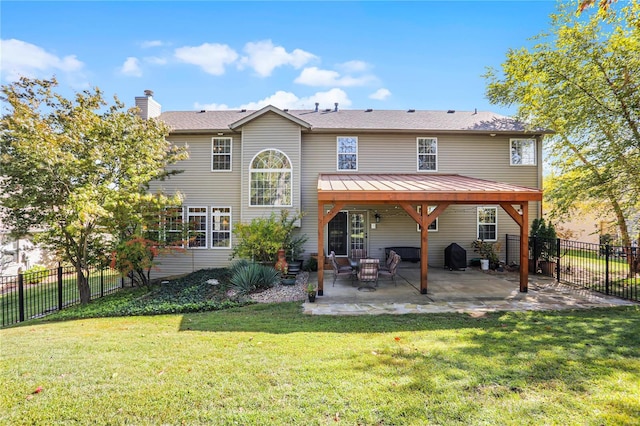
317, 105
202, 110
336, 107
286, 110
369, 110
412, 110
243, 110
327, 110
475, 111
148, 92
451, 111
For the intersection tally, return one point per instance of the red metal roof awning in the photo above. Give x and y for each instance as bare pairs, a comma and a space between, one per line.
419, 188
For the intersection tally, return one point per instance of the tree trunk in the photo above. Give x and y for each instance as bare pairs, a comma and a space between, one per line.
83, 286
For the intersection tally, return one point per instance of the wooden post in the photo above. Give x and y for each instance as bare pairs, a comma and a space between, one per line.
320, 249
524, 248
424, 250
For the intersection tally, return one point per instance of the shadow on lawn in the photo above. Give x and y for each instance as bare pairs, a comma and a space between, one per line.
285, 318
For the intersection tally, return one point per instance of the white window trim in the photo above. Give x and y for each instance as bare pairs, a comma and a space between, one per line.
291, 181
478, 221
418, 154
338, 153
535, 152
206, 230
211, 231
230, 169
164, 231
418, 227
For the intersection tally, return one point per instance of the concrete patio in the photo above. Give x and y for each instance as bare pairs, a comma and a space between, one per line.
471, 291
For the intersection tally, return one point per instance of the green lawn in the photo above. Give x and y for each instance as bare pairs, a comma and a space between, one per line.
269, 364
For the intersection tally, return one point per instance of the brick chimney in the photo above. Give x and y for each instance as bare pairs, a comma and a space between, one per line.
149, 108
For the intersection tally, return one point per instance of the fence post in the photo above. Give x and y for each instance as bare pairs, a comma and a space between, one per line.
101, 282
20, 296
558, 257
536, 253
122, 281
506, 247
60, 287
607, 249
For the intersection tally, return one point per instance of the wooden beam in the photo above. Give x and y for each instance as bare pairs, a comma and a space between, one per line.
435, 213
407, 207
524, 248
517, 217
333, 212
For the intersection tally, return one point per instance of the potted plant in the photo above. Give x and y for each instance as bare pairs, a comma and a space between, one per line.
488, 253
543, 247
311, 292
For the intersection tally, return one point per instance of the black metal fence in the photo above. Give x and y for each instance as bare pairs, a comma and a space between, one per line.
34, 294
608, 269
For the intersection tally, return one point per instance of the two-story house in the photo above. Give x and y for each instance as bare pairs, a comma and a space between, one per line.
365, 179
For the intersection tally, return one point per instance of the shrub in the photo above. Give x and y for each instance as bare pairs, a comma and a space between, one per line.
35, 274
252, 277
261, 239
545, 240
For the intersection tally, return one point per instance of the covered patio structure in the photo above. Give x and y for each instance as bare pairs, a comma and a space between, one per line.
410, 190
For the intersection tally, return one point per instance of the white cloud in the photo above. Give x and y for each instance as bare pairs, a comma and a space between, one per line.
20, 58
264, 57
380, 94
212, 58
210, 107
151, 43
284, 100
131, 67
354, 66
155, 60
313, 76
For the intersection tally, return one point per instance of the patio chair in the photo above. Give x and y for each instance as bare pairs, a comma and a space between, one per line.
339, 270
393, 268
358, 254
368, 272
387, 264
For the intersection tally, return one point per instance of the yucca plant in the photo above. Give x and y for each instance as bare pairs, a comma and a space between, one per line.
253, 276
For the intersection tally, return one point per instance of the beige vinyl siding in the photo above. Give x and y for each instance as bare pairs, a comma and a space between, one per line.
269, 131
201, 187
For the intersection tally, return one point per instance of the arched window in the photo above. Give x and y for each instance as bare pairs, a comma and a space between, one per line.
270, 173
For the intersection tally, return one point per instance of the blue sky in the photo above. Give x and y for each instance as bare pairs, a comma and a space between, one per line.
218, 55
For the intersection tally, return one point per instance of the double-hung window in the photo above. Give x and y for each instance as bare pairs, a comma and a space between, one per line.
488, 223
427, 154
171, 226
522, 152
271, 179
221, 154
197, 227
347, 153
220, 227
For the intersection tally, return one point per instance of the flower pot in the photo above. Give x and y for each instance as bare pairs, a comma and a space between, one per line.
484, 264
312, 297
548, 267
288, 281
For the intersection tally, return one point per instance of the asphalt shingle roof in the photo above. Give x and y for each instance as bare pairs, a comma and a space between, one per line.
381, 120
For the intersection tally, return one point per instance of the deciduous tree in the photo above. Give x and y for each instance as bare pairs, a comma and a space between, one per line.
582, 80
77, 169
